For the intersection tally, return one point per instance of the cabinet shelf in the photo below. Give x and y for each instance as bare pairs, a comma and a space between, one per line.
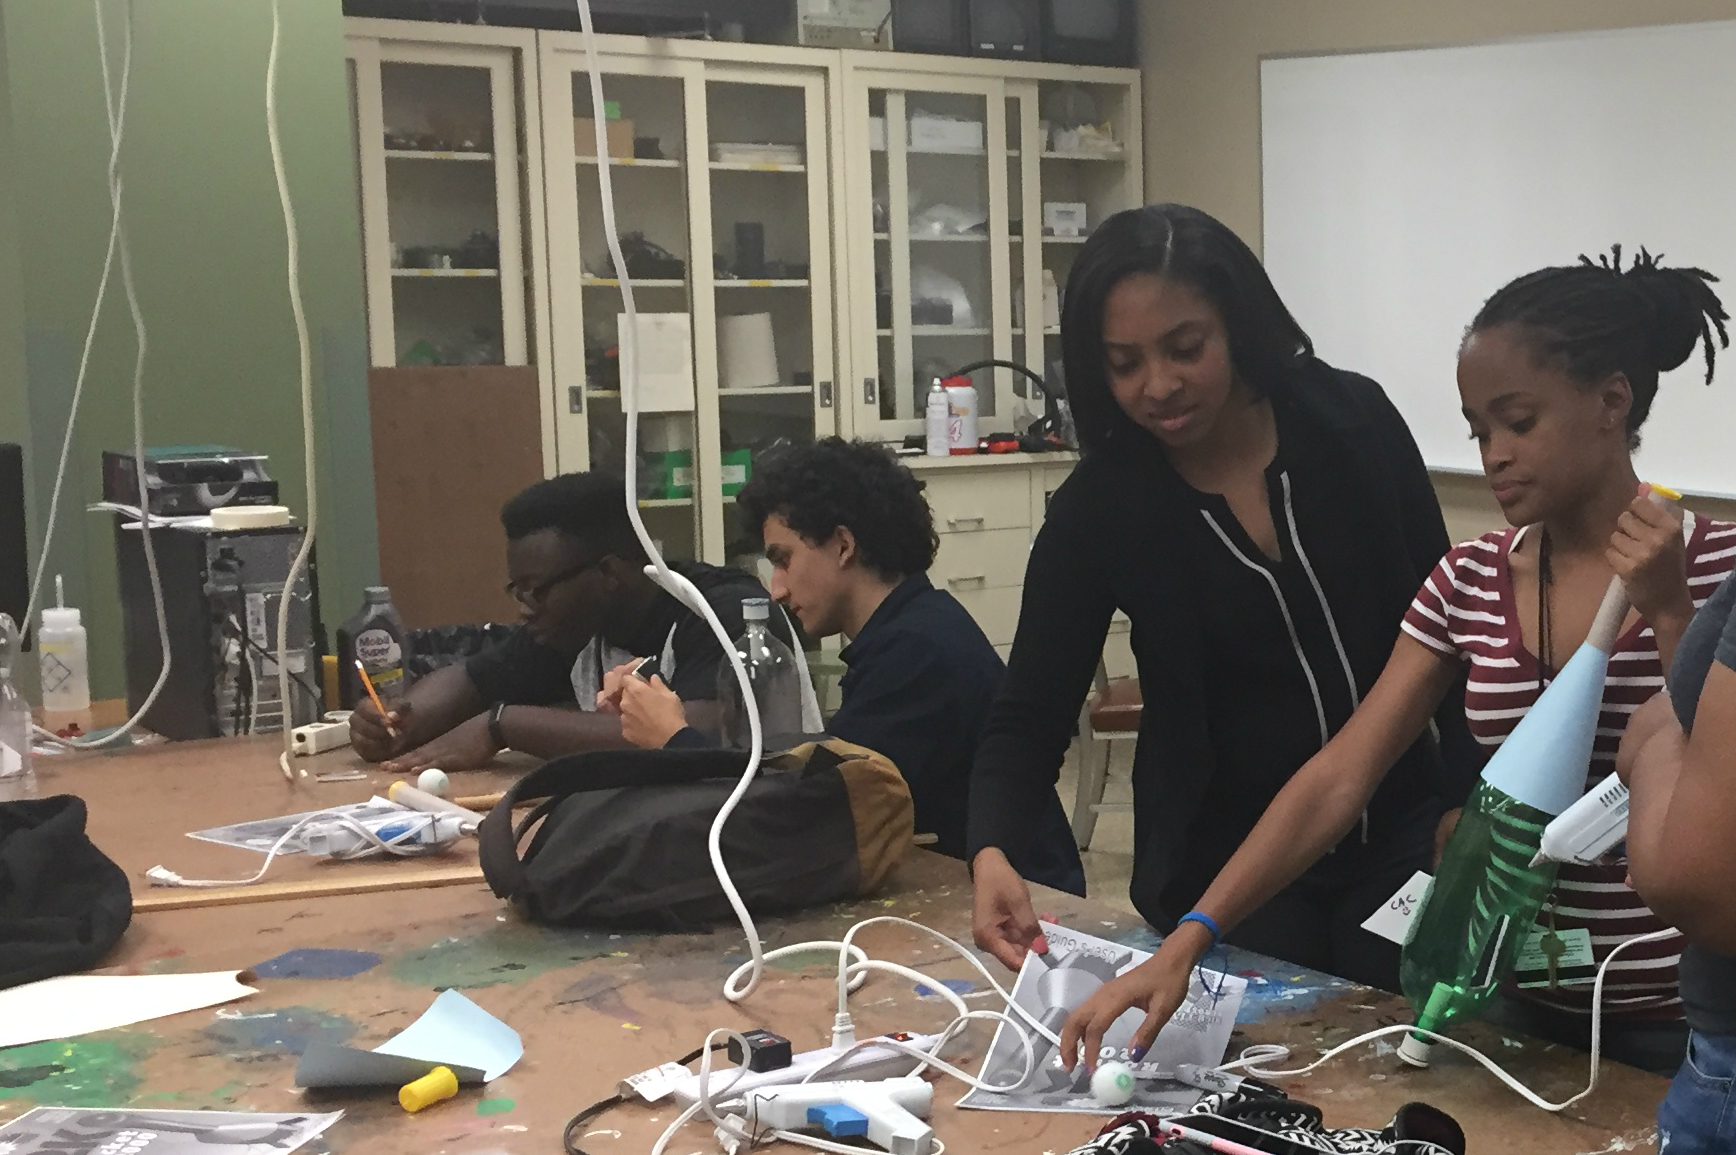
947, 331
1118, 155
1066, 240
612, 283
767, 391
762, 283
755, 166
631, 162
419, 154
665, 502
446, 272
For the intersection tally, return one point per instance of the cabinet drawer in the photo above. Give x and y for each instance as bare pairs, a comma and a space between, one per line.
997, 500
995, 610
980, 561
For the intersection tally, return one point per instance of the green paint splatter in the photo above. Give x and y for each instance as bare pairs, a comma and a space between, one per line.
801, 962
227, 1092
75, 1073
495, 1106
504, 954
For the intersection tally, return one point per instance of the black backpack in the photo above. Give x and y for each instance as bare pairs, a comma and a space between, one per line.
622, 840
63, 902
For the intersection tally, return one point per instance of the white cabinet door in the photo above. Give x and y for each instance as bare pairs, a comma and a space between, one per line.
930, 250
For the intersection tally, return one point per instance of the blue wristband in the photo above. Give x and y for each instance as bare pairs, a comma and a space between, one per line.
1204, 920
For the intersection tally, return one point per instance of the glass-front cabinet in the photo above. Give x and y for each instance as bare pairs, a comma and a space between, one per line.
720, 169
969, 195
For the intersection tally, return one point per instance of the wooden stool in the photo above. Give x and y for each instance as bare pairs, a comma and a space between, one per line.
1111, 715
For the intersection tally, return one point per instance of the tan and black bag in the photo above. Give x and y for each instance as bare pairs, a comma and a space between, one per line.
621, 835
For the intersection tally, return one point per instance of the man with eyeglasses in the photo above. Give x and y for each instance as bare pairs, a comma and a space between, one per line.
578, 574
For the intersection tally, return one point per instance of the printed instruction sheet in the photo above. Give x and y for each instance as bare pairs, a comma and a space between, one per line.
1050, 986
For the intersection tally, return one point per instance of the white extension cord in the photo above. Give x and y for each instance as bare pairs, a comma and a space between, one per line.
115, 109
405, 844
309, 463
679, 587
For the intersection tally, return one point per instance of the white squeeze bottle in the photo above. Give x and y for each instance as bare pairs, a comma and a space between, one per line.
935, 417
63, 655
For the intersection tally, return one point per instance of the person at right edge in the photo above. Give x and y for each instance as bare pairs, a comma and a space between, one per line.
1263, 519
1556, 375
1678, 758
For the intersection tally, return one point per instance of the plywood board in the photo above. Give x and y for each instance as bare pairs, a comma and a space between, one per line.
451, 445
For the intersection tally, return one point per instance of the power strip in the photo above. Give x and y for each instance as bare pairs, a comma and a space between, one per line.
866, 1064
318, 737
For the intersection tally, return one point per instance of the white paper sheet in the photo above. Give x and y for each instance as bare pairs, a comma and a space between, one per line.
61, 1008
664, 361
66, 1131
1051, 985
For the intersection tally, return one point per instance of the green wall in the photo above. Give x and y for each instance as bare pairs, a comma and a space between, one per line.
208, 254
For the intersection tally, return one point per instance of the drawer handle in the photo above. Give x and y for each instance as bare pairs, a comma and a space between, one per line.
970, 578
955, 522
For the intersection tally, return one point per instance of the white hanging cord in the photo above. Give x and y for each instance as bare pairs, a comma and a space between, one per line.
679, 587
310, 465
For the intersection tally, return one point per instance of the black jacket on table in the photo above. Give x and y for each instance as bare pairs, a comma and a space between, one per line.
1246, 665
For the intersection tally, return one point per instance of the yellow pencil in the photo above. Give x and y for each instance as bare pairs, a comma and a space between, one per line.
368, 685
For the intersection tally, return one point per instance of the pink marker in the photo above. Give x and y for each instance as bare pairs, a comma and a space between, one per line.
1210, 1142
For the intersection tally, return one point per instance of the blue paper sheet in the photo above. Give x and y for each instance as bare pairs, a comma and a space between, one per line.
456, 1030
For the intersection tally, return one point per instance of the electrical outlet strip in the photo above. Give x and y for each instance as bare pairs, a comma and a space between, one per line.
866, 1064
318, 737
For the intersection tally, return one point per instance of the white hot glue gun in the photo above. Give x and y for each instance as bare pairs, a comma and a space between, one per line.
887, 1113
1590, 828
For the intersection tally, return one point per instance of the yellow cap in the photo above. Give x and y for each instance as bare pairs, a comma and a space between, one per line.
438, 1084
1664, 491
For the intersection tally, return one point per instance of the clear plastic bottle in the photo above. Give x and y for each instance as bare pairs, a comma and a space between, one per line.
777, 685
15, 721
62, 652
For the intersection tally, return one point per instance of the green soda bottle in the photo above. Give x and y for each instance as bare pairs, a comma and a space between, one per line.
1485, 898
1486, 894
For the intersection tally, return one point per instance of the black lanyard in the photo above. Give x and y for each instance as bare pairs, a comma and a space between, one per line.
1545, 643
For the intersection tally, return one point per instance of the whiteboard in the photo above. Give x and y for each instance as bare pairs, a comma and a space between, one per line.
1401, 189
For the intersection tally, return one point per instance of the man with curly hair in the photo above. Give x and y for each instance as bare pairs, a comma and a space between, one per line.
850, 538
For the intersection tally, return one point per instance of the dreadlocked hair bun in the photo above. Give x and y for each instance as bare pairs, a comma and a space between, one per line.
1681, 309
1595, 319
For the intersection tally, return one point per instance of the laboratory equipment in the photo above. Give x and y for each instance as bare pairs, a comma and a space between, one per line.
63, 660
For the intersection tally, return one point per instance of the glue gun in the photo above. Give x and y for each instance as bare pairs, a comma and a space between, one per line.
339, 840
888, 1113
1587, 830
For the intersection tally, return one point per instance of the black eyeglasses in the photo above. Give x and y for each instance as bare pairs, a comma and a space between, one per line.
533, 596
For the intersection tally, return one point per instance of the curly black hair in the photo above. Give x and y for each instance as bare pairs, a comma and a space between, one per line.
818, 488
590, 507
1596, 319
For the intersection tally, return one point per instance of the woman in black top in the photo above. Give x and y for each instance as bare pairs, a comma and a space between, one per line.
1264, 519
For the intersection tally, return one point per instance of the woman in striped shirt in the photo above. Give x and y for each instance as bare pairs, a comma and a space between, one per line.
1556, 376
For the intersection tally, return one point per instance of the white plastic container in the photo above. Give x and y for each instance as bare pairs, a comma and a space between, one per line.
961, 419
63, 657
935, 419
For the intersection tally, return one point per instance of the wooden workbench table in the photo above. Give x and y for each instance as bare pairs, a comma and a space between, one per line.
593, 1006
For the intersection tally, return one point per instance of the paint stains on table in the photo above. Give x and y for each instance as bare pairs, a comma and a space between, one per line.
70, 1072
495, 1106
956, 986
502, 954
317, 963
1286, 989
263, 1035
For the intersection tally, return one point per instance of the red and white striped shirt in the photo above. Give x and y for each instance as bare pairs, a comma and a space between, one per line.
1466, 610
